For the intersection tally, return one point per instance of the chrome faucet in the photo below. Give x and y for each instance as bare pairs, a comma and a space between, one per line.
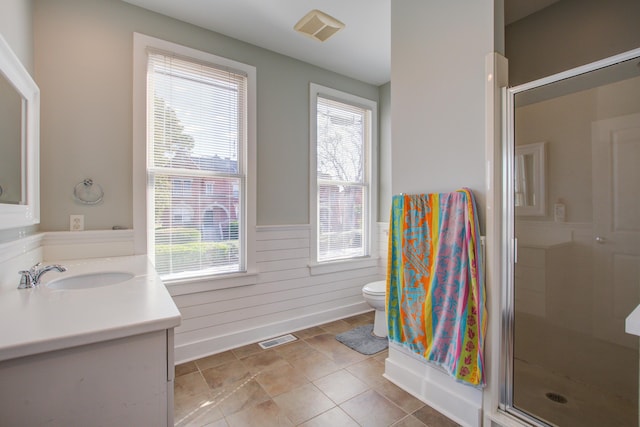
31, 278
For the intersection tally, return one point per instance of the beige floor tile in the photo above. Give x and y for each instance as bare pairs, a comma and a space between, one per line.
382, 356
335, 350
325, 342
345, 356
185, 368
303, 403
315, 365
253, 387
309, 332
361, 319
410, 421
332, 418
433, 418
240, 396
264, 361
337, 327
372, 410
195, 410
281, 380
401, 398
219, 423
226, 374
370, 371
265, 414
247, 350
341, 386
294, 349
191, 384
215, 360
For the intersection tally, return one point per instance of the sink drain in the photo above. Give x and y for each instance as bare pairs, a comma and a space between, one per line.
558, 398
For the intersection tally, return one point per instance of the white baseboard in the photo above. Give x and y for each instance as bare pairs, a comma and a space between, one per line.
459, 402
218, 344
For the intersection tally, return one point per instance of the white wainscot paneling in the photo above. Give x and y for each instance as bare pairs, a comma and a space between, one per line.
286, 297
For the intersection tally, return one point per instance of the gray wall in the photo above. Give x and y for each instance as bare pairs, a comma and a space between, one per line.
568, 34
84, 70
16, 27
438, 95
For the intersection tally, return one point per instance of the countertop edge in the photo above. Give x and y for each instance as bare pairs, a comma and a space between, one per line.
39, 347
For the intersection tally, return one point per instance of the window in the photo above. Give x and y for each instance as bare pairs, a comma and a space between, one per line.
181, 187
199, 111
343, 194
209, 188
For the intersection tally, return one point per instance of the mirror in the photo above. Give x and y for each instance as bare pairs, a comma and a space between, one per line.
19, 142
529, 179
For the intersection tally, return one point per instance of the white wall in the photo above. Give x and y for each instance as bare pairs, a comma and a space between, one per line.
384, 153
438, 111
437, 95
84, 70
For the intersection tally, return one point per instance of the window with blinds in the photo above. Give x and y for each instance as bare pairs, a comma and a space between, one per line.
196, 136
342, 146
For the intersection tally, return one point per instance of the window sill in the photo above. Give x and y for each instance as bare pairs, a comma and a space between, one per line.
193, 285
316, 269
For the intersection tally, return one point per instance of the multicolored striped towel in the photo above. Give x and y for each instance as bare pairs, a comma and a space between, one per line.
435, 283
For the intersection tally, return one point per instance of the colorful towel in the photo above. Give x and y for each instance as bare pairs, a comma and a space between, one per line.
435, 283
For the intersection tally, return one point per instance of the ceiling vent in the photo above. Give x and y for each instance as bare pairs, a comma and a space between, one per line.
318, 25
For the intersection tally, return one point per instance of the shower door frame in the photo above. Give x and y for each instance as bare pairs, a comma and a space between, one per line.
509, 245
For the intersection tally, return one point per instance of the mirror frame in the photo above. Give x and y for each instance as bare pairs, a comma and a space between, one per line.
538, 151
28, 211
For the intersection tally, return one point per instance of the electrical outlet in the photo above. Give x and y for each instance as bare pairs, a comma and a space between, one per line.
76, 222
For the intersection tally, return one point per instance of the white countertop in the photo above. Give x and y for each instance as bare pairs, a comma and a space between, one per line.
632, 322
42, 319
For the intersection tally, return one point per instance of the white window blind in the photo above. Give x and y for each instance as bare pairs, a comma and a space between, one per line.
197, 132
343, 139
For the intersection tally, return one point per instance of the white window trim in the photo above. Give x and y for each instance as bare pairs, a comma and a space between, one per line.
141, 217
369, 260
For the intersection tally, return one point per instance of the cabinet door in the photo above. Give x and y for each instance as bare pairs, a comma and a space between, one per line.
120, 382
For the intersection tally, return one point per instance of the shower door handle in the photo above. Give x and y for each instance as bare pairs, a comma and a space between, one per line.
600, 240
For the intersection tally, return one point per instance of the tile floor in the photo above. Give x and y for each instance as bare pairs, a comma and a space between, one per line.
313, 381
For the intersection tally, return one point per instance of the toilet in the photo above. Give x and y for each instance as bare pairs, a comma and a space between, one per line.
374, 294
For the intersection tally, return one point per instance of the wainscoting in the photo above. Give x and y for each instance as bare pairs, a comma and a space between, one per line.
285, 297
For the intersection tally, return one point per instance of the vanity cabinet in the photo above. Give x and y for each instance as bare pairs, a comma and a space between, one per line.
92, 355
540, 276
120, 382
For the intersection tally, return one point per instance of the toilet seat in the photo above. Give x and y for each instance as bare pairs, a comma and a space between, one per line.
378, 288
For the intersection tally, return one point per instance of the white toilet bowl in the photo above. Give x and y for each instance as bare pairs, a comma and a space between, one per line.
374, 294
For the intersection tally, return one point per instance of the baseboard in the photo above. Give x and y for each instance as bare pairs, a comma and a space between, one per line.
459, 402
191, 351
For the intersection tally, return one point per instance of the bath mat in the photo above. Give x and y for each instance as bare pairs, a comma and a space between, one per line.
362, 340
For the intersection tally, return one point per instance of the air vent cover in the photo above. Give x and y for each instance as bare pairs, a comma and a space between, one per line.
318, 25
277, 341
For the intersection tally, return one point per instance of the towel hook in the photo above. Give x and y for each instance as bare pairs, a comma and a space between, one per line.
88, 193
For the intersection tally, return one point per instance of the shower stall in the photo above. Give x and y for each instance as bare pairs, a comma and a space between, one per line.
572, 243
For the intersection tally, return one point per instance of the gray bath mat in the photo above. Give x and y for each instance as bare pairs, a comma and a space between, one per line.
362, 340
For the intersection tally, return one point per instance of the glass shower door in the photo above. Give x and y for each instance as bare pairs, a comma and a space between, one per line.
577, 273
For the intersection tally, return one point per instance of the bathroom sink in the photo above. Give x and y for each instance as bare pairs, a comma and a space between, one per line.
90, 280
